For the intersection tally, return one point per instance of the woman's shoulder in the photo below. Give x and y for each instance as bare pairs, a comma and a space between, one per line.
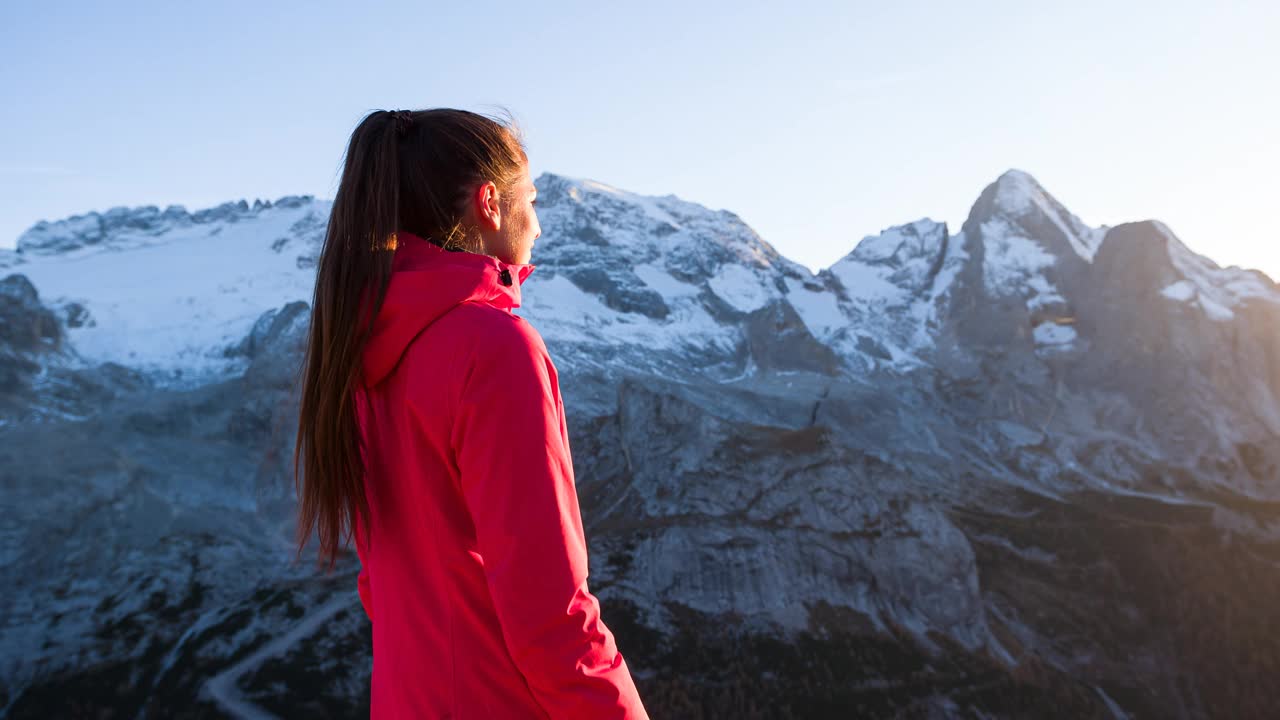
479, 327
475, 340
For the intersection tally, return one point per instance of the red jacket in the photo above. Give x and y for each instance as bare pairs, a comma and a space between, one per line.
475, 575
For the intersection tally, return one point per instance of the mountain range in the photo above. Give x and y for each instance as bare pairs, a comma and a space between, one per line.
1026, 466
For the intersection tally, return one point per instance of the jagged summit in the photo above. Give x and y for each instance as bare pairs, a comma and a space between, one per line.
558, 189
895, 244
1017, 190
121, 222
697, 240
651, 278
576, 187
1017, 203
1217, 290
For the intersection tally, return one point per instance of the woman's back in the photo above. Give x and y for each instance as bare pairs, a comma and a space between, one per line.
475, 570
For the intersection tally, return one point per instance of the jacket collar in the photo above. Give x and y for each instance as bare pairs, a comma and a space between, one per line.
414, 253
426, 282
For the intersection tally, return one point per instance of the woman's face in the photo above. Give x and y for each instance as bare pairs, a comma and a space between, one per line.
507, 221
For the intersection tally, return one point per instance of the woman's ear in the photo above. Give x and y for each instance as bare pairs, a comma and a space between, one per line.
488, 206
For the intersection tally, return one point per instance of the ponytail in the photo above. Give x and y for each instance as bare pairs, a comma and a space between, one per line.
402, 171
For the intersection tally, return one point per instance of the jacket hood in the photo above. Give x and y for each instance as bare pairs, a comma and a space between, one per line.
428, 281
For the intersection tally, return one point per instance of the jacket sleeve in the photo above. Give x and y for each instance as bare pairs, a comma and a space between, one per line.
512, 449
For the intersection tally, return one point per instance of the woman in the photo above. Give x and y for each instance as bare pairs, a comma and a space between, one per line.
432, 430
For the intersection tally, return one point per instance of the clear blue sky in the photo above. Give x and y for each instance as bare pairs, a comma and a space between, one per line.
818, 123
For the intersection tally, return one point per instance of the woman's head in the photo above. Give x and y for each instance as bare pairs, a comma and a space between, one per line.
454, 177
465, 182
505, 219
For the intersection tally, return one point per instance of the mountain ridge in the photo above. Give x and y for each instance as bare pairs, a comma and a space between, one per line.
1026, 448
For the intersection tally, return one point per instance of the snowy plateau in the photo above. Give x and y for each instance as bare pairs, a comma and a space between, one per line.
1026, 467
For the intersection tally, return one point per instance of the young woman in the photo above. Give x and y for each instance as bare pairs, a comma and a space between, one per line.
433, 432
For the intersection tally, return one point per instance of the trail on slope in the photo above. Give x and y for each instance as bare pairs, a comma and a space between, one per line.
222, 687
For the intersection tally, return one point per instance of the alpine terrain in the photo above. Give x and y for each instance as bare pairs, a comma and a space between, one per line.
1022, 467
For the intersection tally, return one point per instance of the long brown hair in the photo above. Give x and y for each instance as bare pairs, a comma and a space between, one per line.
405, 171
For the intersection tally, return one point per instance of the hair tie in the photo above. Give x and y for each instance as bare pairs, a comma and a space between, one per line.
403, 120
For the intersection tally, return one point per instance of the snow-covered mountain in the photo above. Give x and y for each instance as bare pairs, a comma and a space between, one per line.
972, 471
168, 292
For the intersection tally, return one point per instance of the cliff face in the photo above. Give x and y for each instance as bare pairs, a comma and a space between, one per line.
1028, 466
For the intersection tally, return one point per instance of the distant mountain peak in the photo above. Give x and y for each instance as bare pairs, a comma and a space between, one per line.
564, 188
590, 218
1018, 203
98, 228
1217, 290
894, 244
1018, 192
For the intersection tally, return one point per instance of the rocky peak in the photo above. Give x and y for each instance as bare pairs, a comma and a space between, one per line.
1018, 205
693, 240
1217, 290
904, 256
673, 267
121, 225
